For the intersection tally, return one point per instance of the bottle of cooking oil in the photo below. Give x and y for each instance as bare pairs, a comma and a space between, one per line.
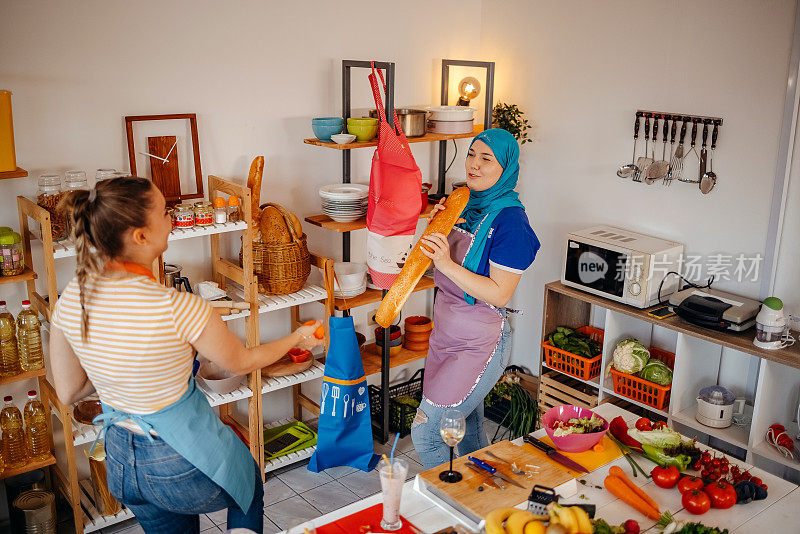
36, 436
9, 358
29, 338
14, 452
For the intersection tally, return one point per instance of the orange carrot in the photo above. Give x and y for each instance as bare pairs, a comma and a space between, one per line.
621, 490
619, 473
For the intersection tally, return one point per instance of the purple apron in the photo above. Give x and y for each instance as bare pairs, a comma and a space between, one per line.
464, 337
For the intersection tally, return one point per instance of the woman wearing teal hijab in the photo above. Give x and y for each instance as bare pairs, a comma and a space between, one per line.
478, 267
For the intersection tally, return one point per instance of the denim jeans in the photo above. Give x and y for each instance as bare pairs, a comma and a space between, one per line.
165, 492
425, 434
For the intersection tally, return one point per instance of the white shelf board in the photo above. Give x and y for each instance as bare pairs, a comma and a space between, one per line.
593, 382
279, 382
216, 399
733, 434
92, 520
270, 303
66, 248
765, 450
289, 459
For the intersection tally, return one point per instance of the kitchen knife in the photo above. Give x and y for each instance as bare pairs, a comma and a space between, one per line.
495, 479
554, 454
493, 471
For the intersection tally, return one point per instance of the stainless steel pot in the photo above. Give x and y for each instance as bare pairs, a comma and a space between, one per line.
173, 278
413, 122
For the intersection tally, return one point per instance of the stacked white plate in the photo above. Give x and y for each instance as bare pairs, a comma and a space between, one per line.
344, 202
350, 279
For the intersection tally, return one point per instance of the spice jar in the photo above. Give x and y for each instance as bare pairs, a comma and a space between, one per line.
171, 213
74, 180
11, 259
184, 216
233, 209
203, 213
220, 211
48, 197
104, 174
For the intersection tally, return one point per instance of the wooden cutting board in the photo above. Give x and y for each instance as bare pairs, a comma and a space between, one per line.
465, 495
591, 460
285, 366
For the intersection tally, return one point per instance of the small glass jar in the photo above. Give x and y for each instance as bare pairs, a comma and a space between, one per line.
48, 197
74, 180
220, 211
104, 174
184, 216
203, 213
233, 209
12, 262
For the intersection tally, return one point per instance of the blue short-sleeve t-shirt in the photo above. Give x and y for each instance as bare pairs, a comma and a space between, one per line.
511, 244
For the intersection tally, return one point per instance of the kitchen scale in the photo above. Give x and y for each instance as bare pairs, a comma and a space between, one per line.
712, 308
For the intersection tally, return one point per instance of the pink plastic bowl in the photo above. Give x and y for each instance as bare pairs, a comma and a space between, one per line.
572, 442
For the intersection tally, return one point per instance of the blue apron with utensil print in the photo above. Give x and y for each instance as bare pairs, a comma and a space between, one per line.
344, 436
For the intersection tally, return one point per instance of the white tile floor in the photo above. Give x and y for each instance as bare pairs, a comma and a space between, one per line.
296, 493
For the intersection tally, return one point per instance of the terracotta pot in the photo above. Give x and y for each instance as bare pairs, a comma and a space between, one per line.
417, 337
415, 345
418, 323
392, 343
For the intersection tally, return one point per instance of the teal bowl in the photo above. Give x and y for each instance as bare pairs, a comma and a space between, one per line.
325, 131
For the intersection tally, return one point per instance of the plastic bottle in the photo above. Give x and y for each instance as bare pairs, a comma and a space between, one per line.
9, 358
36, 436
14, 452
29, 338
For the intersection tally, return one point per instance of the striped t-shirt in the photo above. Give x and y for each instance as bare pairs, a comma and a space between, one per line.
138, 353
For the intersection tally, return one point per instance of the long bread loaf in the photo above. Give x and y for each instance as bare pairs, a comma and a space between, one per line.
254, 184
417, 263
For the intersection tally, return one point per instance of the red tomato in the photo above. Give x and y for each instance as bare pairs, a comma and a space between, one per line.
696, 502
722, 494
665, 477
644, 424
659, 424
631, 526
687, 484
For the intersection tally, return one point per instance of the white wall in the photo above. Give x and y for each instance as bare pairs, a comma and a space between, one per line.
256, 72
580, 69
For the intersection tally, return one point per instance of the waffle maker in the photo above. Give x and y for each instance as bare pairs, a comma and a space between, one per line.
711, 308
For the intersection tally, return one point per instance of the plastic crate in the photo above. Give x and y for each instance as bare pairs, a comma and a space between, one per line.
572, 364
641, 390
400, 415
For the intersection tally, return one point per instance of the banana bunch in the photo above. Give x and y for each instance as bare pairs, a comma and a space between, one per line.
562, 520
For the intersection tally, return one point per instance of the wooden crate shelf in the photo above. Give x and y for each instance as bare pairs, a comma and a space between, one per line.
427, 138
24, 276
371, 357
326, 222
19, 173
371, 296
23, 376
30, 466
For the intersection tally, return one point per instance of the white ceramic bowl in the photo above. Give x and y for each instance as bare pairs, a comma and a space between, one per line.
344, 191
450, 127
343, 139
450, 113
350, 276
217, 379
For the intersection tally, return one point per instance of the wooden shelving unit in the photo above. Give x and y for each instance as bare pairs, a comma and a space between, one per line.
19, 173
24, 276
39, 373
30, 466
371, 296
371, 356
427, 138
700, 355
326, 222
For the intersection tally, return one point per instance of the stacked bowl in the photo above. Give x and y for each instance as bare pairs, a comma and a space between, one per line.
350, 279
451, 119
344, 202
364, 128
325, 127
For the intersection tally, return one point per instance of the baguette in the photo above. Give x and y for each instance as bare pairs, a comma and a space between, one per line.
254, 184
417, 263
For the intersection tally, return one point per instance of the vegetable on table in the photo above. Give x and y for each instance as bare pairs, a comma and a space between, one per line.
689, 483
624, 489
631, 526
619, 429
696, 502
722, 494
619, 473
575, 342
657, 455
661, 438
669, 525
643, 424
630, 356
665, 477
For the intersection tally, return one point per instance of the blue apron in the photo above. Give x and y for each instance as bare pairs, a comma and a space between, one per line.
191, 427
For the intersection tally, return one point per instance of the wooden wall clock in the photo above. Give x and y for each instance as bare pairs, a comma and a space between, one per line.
162, 156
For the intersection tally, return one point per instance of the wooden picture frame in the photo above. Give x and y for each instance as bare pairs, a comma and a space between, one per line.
168, 194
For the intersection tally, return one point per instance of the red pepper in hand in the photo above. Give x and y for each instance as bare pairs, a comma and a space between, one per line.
619, 429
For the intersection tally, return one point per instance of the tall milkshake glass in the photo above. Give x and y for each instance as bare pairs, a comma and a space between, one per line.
392, 479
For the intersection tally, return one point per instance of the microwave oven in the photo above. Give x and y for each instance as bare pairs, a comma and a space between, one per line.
621, 265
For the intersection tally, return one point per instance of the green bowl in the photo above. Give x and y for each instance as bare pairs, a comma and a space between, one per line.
364, 132
362, 120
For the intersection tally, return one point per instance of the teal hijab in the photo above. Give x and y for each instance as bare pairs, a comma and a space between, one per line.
484, 206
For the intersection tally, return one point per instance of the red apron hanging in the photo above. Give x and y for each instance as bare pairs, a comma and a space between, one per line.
395, 199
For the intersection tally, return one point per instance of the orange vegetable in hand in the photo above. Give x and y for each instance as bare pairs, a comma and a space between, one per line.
319, 333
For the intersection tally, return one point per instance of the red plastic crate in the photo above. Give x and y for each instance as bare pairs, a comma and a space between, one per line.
572, 364
641, 390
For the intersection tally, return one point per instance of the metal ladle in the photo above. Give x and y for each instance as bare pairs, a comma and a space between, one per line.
660, 169
709, 178
626, 171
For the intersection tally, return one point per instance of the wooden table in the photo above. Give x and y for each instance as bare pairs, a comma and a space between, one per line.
777, 513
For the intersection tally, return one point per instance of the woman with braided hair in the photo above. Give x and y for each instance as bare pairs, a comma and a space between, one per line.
116, 329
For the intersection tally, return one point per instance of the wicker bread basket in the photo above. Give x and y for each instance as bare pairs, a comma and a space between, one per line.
280, 268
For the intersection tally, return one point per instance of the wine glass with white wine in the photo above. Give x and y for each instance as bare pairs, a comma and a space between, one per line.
452, 428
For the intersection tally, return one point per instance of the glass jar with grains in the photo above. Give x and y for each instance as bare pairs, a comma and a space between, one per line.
11, 259
48, 197
74, 180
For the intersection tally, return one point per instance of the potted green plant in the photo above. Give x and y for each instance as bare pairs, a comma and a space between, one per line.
519, 409
512, 119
